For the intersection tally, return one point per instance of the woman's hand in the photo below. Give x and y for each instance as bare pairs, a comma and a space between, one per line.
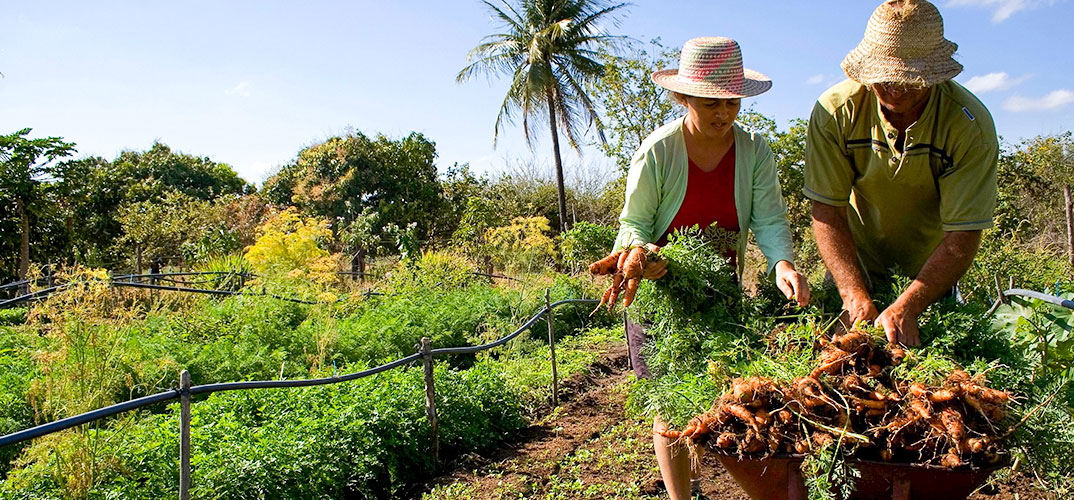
792, 283
655, 268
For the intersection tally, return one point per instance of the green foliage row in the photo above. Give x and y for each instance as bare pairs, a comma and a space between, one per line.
365, 438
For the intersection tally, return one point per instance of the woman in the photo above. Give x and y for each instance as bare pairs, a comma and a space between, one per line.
705, 169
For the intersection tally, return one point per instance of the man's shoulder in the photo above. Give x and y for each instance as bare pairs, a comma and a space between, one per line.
964, 110
847, 93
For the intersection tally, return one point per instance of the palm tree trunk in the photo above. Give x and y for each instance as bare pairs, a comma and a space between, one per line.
559, 164
24, 238
1070, 223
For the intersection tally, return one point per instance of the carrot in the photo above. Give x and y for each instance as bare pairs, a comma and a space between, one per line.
853, 341
942, 396
617, 284
603, 300
726, 440
634, 265
830, 367
952, 421
951, 460
918, 409
606, 265
631, 291
986, 394
740, 412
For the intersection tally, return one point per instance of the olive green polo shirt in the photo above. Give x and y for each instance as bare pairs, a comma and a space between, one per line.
902, 202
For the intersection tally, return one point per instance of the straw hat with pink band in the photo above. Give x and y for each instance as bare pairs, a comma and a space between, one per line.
904, 44
712, 67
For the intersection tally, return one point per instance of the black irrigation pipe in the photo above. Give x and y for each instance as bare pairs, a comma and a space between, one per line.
31, 296
14, 284
273, 384
208, 291
524, 327
199, 273
108, 411
67, 423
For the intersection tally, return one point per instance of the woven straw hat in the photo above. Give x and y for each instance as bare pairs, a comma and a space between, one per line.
712, 67
903, 43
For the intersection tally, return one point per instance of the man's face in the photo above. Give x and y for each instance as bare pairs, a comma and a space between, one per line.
899, 98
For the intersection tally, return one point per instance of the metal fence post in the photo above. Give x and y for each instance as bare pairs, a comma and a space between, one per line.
430, 394
184, 435
552, 346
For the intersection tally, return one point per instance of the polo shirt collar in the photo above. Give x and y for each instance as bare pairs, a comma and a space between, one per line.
915, 131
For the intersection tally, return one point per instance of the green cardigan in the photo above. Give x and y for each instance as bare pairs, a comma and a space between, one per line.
656, 186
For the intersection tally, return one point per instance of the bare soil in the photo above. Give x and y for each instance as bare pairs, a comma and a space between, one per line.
588, 448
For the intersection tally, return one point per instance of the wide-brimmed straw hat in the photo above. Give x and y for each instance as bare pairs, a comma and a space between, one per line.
712, 67
903, 43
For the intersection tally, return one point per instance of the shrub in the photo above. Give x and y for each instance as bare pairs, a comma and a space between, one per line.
523, 245
288, 242
585, 243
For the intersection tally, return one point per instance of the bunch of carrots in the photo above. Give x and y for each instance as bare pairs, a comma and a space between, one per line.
851, 397
627, 266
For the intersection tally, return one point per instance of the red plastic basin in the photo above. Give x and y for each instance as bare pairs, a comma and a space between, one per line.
779, 478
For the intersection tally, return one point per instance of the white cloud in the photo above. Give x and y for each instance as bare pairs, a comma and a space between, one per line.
241, 90
1055, 99
993, 81
1003, 9
815, 79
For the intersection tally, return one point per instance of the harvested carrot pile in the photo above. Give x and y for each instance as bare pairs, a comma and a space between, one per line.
851, 396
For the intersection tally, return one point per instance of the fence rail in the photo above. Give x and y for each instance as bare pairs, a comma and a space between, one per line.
127, 280
185, 390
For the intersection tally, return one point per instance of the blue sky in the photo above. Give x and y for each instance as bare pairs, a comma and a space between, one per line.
250, 83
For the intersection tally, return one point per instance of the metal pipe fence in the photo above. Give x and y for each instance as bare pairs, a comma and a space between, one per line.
185, 391
128, 280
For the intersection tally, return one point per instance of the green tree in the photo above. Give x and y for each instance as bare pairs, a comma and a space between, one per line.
549, 49
24, 163
633, 106
1051, 159
344, 177
92, 190
160, 228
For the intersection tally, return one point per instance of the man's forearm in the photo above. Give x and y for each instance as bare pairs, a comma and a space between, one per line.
836, 247
941, 271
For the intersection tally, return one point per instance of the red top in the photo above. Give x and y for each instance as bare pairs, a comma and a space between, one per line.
710, 199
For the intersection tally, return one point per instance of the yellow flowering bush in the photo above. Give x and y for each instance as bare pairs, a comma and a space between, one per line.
289, 244
523, 245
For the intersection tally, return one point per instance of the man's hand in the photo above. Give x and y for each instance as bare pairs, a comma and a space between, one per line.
900, 326
858, 307
792, 283
654, 268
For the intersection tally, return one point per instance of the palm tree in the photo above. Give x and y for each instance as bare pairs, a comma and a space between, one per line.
550, 50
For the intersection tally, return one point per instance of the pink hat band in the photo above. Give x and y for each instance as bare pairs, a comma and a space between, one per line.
712, 67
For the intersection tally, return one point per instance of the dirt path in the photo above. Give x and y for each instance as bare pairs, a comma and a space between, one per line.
587, 449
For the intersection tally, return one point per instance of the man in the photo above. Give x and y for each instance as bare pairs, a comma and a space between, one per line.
901, 168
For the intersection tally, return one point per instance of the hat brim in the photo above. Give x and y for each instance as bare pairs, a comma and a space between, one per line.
753, 83
867, 67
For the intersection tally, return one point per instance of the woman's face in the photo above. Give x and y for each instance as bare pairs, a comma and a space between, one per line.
712, 117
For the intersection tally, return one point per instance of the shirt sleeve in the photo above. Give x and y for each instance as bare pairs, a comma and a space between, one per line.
637, 220
968, 187
768, 214
828, 171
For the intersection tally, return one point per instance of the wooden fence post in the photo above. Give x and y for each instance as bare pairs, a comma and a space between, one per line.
430, 395
552, 346
184, 435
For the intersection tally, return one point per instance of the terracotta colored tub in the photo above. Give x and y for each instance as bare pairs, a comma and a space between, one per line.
779, 478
